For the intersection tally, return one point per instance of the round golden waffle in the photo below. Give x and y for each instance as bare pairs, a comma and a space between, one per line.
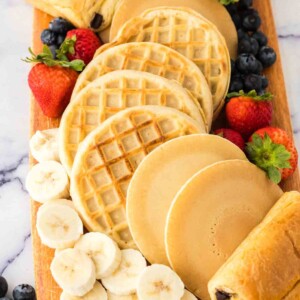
152, 58
190, 34
112, 93
108, 157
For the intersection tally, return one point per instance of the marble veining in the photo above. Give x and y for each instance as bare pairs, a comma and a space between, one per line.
16, 262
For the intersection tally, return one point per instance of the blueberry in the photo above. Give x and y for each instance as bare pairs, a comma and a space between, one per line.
264, 82
3, 286
251, 22
246, 63
252, 82
60, 25
232, 8
48, 37
53, 49
236, 84
248, 45
248, 12
261, 38
5, 298
97, 21
60, 39
220, 295
233, 69
267, 56
242, 34
236, 20
259, 68
24, 292
245, 3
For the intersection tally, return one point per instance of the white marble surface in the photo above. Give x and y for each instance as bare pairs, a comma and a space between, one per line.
15, 36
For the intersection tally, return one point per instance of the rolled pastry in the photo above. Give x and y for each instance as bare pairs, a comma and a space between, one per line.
96, 15
266, 266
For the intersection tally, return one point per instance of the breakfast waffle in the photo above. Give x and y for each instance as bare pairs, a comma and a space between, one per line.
108, 157
190, 34
152, 58
112, 93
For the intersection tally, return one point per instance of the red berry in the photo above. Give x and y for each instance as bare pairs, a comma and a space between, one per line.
232, 136
87, 42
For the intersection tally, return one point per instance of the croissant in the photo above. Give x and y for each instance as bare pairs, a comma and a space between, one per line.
266, 266
96, 15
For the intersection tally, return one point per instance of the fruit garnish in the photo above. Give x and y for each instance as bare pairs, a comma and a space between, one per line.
252, 94
227, 2
247, 112
3, 286
24, 291
272, 150
46, 57
232, 136
85, 46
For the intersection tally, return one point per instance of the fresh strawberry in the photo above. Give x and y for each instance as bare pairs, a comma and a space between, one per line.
52, 88
85, 45
272, 150
52, 81
248, 112
232, 136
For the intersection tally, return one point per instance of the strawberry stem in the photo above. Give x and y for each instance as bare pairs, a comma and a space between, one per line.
47, 58
252, 94
268, 156
227, 2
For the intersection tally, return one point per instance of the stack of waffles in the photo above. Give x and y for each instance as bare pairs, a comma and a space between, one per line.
165, 75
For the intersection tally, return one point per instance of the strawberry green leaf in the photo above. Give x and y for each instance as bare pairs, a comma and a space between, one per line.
46, 58
252, 94
268, 155
68, 46
227, 2
274, 174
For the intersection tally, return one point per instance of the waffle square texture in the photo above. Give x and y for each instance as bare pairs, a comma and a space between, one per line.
190, 34
115, 92
108, 157
151, 58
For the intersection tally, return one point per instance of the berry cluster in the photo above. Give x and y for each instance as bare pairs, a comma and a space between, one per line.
20, 292
254, 54
55, 35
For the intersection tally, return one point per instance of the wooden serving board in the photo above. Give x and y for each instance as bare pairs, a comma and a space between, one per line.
46, 287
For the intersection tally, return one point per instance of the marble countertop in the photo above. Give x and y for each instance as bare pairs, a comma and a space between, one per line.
16, 263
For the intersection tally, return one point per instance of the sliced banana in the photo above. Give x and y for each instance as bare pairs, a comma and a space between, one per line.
124, 281
97, 293
62, 202
103, 251
188, 296
44, 145
74, 272
159, 282
58, 226
48, 181
116, 297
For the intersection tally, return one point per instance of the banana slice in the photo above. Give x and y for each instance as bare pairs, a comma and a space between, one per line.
74, 272
124, 281
159, 282
44, 145
62, 202
188, 296
58, 226
116, 297
97, 293
104, 252
47, 181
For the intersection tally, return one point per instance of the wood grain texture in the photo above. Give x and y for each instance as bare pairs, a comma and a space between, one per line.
46, 287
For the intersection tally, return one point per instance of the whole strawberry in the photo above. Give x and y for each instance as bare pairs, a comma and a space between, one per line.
248, 112
52, 81
52, 87
85, 46
273, 150
232, 136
